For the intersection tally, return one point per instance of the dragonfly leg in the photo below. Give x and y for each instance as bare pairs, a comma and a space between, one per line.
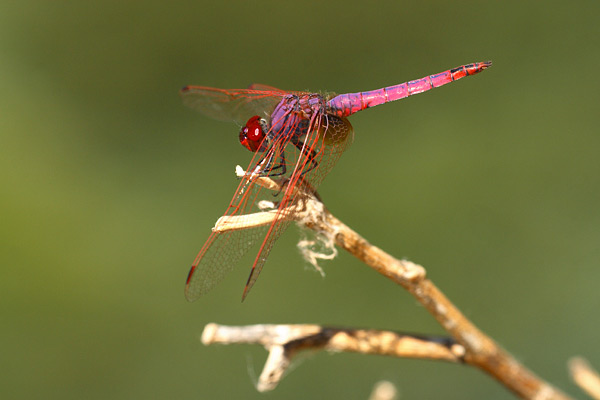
277, 170
310, 153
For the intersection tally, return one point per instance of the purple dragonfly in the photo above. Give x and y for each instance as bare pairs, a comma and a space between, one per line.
296, 138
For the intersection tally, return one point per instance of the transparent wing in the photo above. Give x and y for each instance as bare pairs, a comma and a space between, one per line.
326, 139
220, 254
234, 234
261, 86
268, 88
307, 159
231, 104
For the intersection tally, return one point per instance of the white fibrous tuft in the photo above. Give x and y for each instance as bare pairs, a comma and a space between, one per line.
315, 247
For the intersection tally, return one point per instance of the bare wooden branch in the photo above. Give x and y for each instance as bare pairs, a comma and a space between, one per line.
283, 342
585, 376
480, 350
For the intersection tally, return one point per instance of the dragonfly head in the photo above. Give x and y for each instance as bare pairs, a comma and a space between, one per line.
253, 134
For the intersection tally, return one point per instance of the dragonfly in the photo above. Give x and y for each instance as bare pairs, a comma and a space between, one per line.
296, 137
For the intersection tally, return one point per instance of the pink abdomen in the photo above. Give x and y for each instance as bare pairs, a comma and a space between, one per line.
347, 104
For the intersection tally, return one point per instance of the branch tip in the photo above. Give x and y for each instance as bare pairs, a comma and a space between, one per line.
208, 335
384, 390
585, 376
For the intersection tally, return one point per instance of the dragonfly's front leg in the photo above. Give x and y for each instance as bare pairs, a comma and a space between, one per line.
273, 170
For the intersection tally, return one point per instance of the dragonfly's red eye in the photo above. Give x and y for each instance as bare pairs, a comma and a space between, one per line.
252, 135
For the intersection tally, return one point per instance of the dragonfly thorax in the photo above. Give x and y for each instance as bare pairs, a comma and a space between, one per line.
253, 134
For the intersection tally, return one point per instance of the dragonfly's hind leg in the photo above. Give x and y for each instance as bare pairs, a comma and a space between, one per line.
281, 168
311, 154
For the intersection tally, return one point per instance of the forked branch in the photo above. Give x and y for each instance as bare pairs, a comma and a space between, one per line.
477, 349
283, 342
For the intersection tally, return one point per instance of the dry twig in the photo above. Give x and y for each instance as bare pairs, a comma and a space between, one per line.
283, 342
585, 376
479, 350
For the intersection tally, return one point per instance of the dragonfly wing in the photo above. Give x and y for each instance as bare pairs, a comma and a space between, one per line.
217, 258
263, 87
231, 104
307, 161
275, 230
267, 88
241, 227
325, 141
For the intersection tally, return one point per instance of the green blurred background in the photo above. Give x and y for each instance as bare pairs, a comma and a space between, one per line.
110, 187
